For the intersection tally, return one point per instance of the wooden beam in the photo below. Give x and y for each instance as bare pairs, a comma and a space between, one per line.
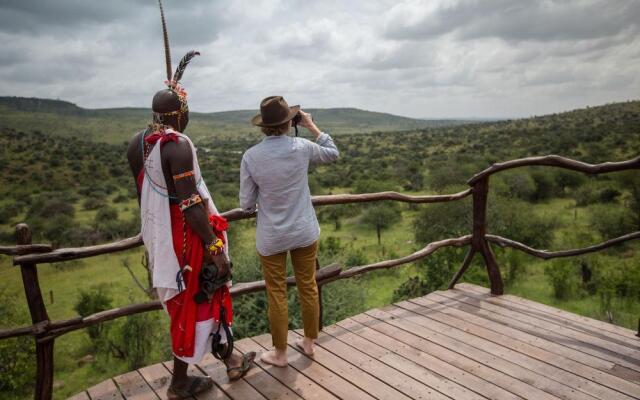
231, 215
79, 252
335, 199
25, 249
546, 254
424, 252
557, 161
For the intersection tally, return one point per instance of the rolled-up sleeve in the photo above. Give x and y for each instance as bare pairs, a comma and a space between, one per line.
323, 150
248, 188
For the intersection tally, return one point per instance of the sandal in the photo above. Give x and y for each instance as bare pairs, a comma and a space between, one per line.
198, 384
235, 373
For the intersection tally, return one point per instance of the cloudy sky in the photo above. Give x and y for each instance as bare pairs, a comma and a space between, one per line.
420, 58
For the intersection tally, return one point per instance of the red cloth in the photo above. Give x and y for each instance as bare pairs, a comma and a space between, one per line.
162, 136
183, 310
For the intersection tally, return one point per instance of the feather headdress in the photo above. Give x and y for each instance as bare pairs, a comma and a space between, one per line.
173, 81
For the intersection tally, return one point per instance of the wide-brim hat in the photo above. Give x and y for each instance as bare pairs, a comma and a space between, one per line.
274, 111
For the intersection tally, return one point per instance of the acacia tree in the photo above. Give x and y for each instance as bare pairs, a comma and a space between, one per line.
381, 216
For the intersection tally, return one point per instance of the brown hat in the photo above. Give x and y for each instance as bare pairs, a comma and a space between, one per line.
274, 111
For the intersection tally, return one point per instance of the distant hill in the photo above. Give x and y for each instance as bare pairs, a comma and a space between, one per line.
118, 124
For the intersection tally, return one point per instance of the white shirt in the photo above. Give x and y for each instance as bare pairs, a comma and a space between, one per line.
274, 174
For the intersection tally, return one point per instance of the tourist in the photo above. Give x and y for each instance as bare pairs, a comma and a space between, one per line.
273, 179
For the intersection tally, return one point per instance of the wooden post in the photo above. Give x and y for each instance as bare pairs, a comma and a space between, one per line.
463, 269
320, 316
478, 241
44, 350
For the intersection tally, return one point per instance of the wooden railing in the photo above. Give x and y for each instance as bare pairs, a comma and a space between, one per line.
45, 331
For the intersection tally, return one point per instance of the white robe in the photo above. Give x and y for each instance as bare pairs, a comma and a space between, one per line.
158, 238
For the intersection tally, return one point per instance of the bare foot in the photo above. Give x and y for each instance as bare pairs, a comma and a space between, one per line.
275, 357
306, 345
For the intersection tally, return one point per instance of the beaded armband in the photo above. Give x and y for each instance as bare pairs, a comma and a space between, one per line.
183, 175
190, 202
216, 246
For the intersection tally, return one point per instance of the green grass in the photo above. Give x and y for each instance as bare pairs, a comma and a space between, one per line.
41, 165
65, 282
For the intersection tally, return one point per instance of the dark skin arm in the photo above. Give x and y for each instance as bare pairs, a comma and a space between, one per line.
134, 156
177, 159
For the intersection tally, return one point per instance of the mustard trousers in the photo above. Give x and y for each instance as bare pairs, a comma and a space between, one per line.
304, 268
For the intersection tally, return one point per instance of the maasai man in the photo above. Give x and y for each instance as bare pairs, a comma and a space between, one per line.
184, 235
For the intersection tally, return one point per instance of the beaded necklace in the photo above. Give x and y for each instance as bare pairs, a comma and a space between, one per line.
146, 150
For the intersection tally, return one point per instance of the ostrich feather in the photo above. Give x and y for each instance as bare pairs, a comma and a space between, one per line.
167, 51
183, 64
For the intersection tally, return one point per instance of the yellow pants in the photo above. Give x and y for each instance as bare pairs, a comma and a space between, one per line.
304, 268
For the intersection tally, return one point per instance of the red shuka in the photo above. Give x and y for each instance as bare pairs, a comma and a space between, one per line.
182, 308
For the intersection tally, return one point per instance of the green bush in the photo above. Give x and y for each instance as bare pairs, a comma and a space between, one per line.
94, 203
331, 246
562, 277
17, 355
611, 222
91, 301
435, 272
106, 214
443, 220
513, 219
518, 184
136, 338
410, 289
355, 258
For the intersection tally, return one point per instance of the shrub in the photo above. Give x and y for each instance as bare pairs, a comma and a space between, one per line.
93, 203
435, 272
563, 278
355, 258
106, 214
443, 220
91, 301
519, 184
611, 222
331, 246
410, 289
513, 219
137, 336
17, 355
50, 208
545, 185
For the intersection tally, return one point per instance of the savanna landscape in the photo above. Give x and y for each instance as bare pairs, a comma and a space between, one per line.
65, 174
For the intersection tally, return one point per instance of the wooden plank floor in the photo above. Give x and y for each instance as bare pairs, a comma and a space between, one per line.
454, 344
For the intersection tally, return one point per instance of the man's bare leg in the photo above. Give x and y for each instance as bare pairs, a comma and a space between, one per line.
184, 386
179, 373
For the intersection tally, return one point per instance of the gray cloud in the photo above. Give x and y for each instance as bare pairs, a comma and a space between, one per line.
435, 58
513, 20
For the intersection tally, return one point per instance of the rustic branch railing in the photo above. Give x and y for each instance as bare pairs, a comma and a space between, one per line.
28, 255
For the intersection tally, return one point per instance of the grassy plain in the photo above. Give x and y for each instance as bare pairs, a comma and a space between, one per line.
53, 163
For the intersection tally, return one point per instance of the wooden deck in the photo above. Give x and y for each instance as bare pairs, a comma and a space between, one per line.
454, 344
